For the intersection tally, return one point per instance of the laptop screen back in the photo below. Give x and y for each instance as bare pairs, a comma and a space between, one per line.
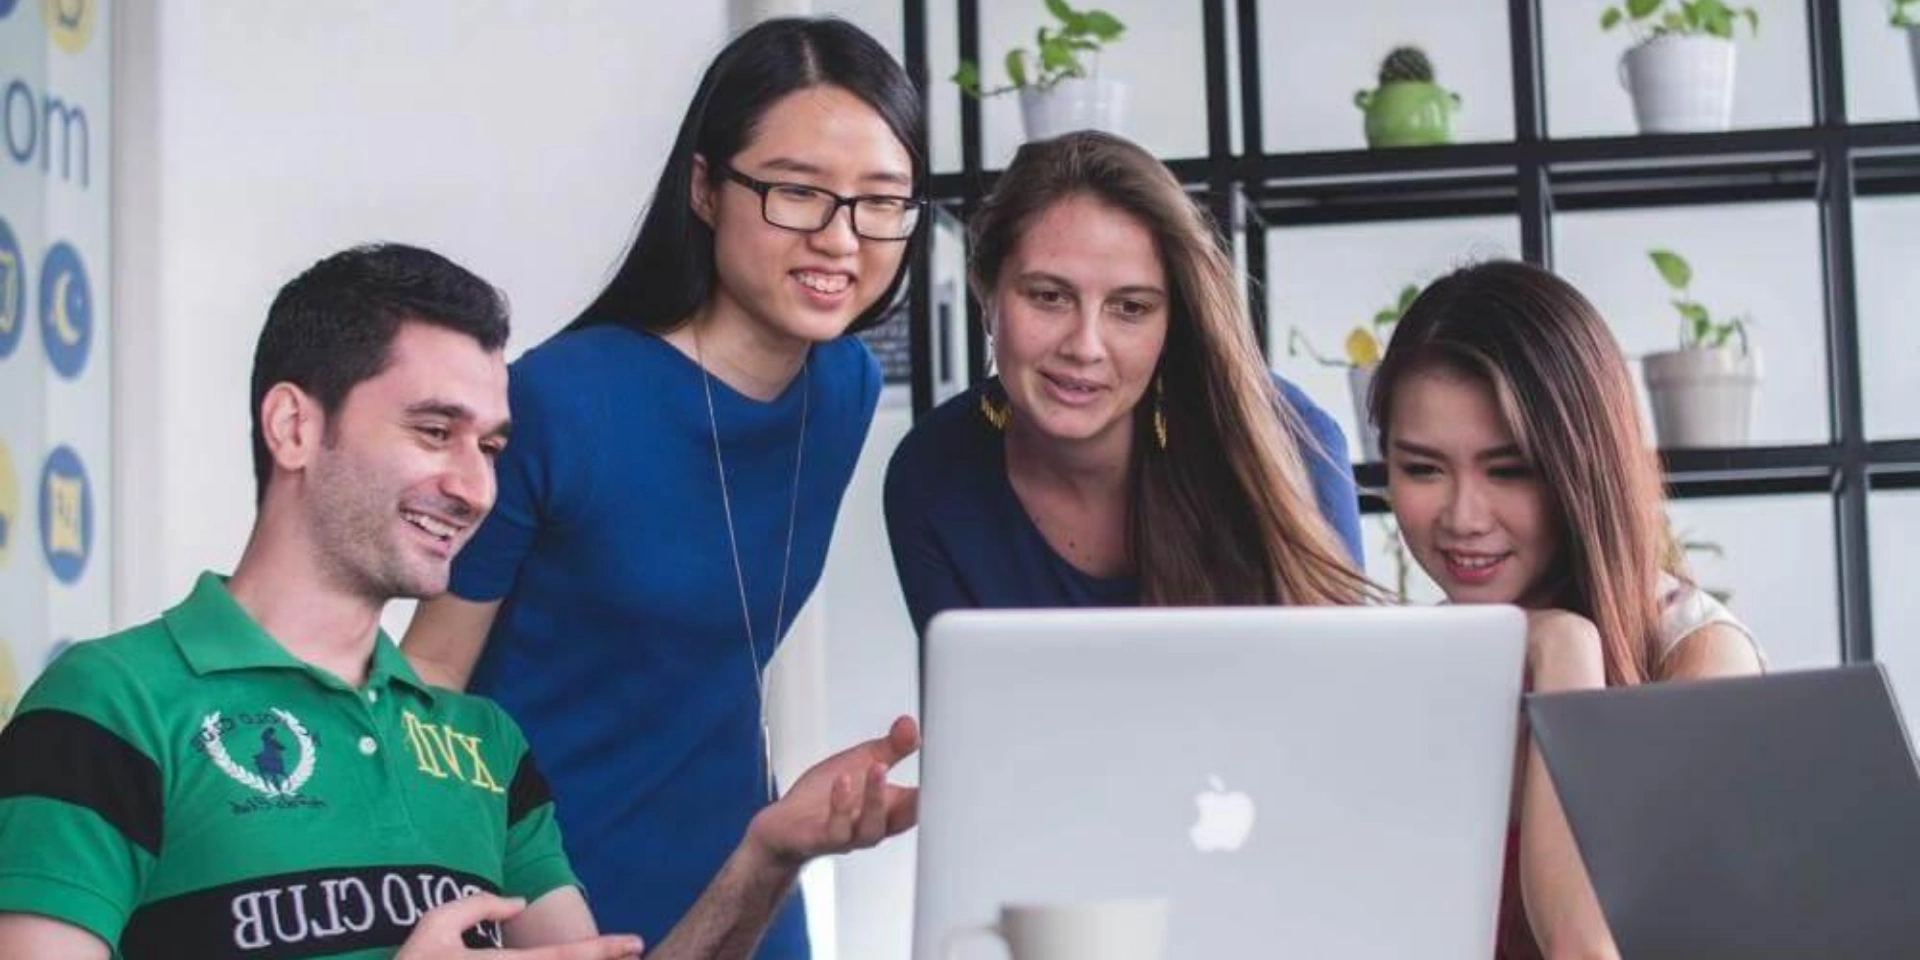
1297, 782
1757, 817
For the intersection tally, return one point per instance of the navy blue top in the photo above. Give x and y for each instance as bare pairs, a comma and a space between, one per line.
962, 540
620, 647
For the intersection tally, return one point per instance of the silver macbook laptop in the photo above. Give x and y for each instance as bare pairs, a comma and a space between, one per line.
1759, 817
1296, 782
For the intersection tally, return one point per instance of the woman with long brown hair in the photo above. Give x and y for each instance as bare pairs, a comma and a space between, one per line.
1133, 447
1520, 472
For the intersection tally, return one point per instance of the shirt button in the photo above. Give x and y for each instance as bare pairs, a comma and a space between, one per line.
373, 696
368, 746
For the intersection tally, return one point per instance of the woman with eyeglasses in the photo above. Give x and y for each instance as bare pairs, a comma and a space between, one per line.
678, 459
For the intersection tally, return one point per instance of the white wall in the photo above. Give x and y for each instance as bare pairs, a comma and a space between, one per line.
518, 140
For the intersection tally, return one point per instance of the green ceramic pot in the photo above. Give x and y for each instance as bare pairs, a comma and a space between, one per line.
1408, 114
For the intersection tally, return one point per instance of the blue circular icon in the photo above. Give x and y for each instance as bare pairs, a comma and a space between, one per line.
13, 288
66, 514
6, 8
66, 310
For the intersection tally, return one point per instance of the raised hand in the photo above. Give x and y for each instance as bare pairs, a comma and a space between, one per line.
842, 803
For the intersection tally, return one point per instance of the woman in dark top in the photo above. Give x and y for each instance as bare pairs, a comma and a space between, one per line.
1134, 447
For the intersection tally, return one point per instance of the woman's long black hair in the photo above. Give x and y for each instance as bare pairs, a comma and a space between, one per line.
669, 271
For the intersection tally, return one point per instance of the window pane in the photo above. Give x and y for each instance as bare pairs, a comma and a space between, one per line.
1324, 281
943, 98
1886, 247
949, 304
1880, 82
1585, 97
1896, 608
1311, 67
1776, 560
884, 19
1759, 259
1161, 58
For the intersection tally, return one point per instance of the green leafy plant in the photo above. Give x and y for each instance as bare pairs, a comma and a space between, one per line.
1903, 13
1698, 329
1649, 19
1056, 54
1364, 343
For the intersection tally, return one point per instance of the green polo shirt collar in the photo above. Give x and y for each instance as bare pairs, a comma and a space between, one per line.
216, 634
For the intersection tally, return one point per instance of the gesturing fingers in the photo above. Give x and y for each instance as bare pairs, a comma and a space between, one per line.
843, 809
448, 919
871, 827
903, 809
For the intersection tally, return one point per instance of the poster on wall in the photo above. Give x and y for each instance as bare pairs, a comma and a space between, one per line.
55, 332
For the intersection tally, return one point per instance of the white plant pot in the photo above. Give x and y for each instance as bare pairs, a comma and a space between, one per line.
1360, 382
1704, 397
1090, 103
1680, 84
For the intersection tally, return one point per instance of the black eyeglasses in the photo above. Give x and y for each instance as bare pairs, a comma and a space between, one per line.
796, 206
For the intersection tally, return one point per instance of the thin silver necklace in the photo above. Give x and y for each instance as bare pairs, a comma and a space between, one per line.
733, 544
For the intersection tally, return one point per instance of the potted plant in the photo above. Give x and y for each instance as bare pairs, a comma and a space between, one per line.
1060, 91
1363, 349
1704, 393
1680, 68
1408, 109
1905, 14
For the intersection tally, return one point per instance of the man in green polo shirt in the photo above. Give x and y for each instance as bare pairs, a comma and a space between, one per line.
259, 773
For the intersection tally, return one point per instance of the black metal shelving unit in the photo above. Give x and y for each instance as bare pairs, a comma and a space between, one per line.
1533, 178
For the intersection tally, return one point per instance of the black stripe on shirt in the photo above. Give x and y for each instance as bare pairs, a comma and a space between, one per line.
529, 790
311, 913
65, 756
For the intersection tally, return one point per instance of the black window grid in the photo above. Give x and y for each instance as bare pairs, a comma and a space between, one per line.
1533, 178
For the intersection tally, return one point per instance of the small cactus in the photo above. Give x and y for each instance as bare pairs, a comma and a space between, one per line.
1406, 65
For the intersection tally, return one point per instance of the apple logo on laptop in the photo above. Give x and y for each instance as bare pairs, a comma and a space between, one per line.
1225, 818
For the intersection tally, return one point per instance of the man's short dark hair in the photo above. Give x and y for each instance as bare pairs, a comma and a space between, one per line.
333, 326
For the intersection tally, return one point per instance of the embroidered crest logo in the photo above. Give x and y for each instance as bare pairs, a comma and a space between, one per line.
269, 769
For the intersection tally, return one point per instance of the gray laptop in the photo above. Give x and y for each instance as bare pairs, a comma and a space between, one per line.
1296, 782
1757, 817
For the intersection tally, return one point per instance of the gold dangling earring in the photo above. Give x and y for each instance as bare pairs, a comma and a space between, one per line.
994, 404
998, 413
1160, 410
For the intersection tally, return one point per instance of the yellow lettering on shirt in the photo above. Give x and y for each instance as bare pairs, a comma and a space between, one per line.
438, 750
418, 735
482, 777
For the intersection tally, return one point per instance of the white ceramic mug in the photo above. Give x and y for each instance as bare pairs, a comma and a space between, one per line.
1099, 930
